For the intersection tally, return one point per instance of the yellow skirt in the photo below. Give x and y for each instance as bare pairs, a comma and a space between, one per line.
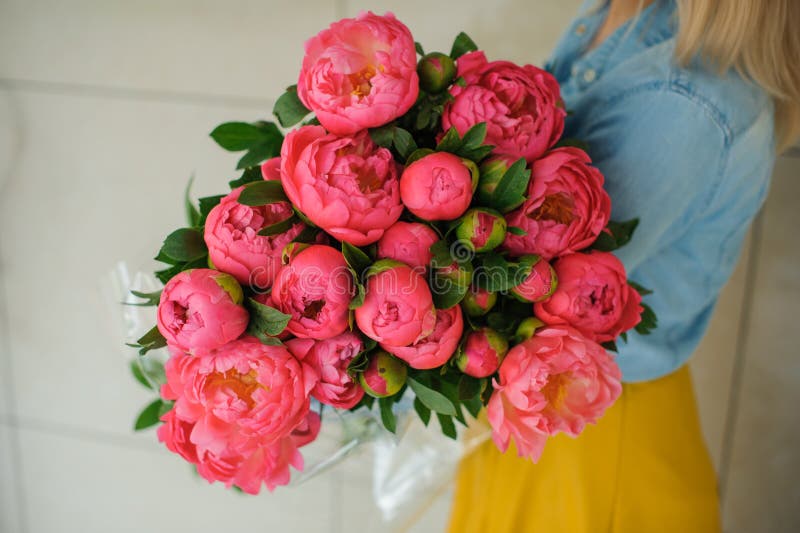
643, 468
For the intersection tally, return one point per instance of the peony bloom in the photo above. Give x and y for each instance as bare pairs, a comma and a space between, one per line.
481, 229
482, 353
556, 381
200, 310
240, 413
347, 186
315, 288
436, 349
566, 209
359, 73
234, 246
593, 296
521, 106
329, 358
398, 305
409, 243
540, 282
438, 186
384, 376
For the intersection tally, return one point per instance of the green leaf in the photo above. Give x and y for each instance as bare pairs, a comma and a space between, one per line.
289, 109
383, 136
206, 205
238, 136
387, 415
356, 258
192, 214
448, 293
610, 345
168, 273
358, 298
511, 189
615, 235
266, 320
514, 230
462, 45
433, 400
474, 136
418, 48
152, 340
262, 193
249, 175
260, 153
451, 142
448, 427
404, 143
279, 227
575, 143
638, 288
649, 320
185, 244
423, 412
151, 298
474, 405
468, 387
149, 416
136, 370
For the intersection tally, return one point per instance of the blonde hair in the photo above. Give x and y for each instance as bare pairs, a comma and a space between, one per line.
758, 38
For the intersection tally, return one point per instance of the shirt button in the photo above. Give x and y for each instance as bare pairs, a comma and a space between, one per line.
589, 76
581, 29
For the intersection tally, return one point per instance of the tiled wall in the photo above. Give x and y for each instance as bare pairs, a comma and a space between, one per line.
103, 103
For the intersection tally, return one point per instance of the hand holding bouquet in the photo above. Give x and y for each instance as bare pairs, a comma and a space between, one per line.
423, 230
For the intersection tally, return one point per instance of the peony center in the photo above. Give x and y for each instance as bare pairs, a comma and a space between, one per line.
556, 207
240, 385
556, 389
360, 81
313, 308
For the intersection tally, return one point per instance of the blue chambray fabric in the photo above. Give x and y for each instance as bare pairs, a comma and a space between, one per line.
686, 151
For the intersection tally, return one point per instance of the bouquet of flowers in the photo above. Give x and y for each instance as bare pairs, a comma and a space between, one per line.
423, 233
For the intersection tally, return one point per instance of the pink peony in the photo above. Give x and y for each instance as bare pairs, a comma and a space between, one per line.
200, 310
409, 243
234, 246
271, 169
398, 306
521, 106
359, 73
315, 288
236, 413
348, 186
329, 358
556, 381
540, 282
436, 349
384, 376
438, 186
482, 353
593, 296
566, 209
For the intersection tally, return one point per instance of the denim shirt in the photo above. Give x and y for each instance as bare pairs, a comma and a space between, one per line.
686, 151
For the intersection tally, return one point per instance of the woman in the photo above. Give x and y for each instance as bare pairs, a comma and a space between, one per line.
683, 105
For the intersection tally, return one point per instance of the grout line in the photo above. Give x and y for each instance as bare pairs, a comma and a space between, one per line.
742, 336
77, 433
127, 93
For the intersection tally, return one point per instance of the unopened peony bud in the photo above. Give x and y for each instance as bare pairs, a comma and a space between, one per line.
527, 328
436, 72
482, 353
540, 282
491, 172
478, 301
481, 229
385, 375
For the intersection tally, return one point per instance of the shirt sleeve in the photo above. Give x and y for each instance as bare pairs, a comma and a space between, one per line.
663, 154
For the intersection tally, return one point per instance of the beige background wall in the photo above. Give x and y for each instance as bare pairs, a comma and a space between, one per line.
105, 102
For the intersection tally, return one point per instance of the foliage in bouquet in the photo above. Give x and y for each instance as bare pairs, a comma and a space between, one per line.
424, 230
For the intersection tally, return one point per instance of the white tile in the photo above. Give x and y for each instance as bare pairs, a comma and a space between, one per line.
762, 493
11, 519
249, 48
517, 30
712, 363
82, 486
96, 181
